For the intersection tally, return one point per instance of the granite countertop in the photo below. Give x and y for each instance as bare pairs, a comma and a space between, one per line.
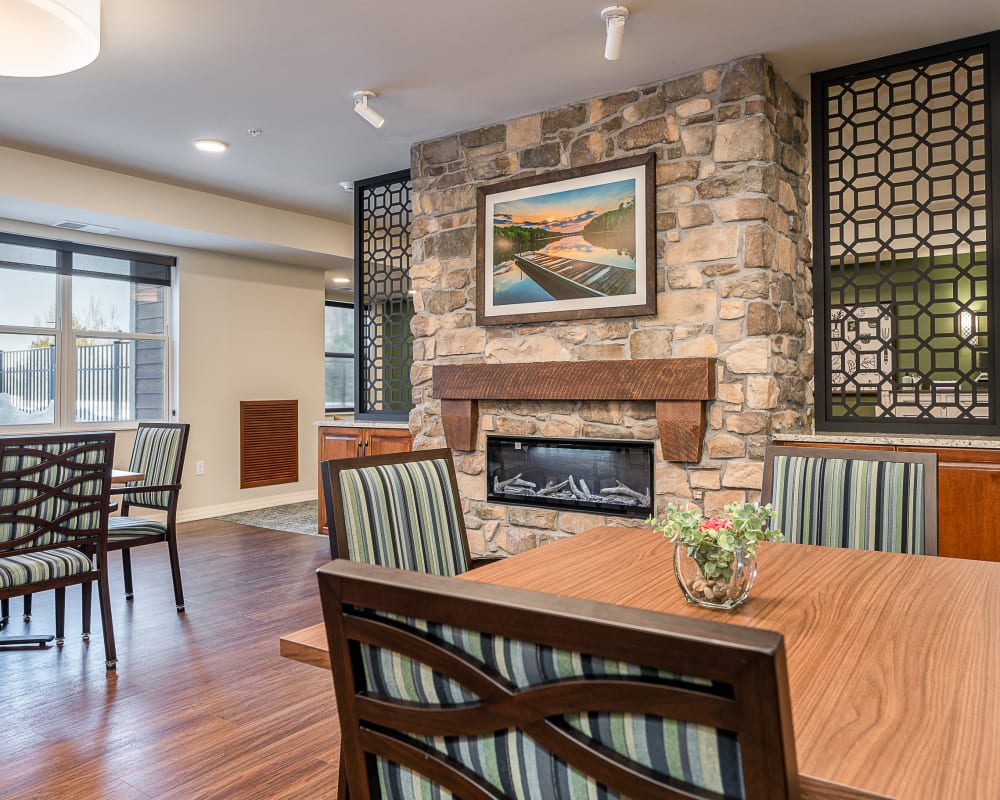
901, 439
360, 423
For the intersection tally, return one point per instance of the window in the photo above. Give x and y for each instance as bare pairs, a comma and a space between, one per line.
904, 224
339, 356
83, 333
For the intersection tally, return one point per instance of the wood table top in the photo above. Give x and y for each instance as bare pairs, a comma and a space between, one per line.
119, 476
892, 658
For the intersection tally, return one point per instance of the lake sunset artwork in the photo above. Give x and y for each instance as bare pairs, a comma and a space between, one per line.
578, 229
567, 245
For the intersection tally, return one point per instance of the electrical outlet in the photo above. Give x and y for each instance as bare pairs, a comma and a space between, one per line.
199, 467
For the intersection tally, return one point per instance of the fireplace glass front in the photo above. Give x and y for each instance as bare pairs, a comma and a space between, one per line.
601, 476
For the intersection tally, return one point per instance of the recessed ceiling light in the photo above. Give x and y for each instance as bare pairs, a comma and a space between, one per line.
341, 280
211, 145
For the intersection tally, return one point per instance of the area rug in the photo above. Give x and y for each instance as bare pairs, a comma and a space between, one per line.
294, 518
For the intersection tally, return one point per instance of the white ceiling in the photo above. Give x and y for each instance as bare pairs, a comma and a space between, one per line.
171, 71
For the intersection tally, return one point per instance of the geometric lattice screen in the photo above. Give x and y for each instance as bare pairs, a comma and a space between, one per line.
383, 215
902, 226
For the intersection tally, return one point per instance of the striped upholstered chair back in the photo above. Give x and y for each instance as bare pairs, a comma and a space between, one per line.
399, 510
862, 499
158, 454
447, 687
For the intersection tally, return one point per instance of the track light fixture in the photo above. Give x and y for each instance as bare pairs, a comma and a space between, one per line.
365, 111
614, 28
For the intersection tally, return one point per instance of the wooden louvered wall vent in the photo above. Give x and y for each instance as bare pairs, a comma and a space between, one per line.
269, 442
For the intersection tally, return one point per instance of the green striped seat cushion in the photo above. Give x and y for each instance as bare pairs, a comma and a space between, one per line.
404, 516
30, 501
866, 505
20, 570
510, 760
120, 528
155, 455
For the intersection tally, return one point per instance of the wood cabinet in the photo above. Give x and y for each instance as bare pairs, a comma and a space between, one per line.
968, 497
336, 442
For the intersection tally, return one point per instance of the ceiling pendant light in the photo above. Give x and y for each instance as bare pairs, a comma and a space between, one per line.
365, 111
48, 37
614, 29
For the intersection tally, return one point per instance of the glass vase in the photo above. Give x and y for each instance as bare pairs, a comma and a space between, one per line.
726, 591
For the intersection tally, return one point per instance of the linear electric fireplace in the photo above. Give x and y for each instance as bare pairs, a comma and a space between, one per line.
601, 476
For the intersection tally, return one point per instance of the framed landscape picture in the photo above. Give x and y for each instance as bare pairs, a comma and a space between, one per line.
573, 244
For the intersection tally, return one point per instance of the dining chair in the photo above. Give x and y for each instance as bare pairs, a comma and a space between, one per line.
54, 494
158, 454
861, 499
448, 688
398, 510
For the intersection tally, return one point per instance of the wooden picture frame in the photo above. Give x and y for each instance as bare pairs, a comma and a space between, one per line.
573, 244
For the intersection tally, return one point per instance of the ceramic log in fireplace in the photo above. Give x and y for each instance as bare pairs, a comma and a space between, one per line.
612, 477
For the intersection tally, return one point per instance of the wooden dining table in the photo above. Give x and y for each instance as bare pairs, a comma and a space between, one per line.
893, 660
122, 476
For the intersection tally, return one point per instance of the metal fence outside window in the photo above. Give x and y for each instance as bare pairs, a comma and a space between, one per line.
104, 374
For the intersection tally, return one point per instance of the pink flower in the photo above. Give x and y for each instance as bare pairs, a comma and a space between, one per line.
716, 524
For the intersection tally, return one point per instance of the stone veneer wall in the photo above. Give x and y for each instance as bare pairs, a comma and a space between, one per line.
733, 281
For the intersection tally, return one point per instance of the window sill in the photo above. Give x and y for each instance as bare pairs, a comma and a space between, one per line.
49, 427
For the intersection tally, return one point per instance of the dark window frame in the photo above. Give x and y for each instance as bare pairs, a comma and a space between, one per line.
343, 356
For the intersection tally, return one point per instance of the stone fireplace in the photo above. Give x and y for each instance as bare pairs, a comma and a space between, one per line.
733, 289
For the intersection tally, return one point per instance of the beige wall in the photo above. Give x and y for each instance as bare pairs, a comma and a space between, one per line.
44, 189
245, 330
249, 330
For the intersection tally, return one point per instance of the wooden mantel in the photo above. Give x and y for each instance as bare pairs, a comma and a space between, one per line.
679, 386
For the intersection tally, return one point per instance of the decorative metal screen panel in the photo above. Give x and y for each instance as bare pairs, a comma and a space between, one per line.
383, 215
903, 232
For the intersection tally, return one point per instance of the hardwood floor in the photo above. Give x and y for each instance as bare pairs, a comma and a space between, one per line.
202, 705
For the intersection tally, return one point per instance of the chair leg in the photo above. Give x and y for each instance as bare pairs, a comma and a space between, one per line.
175, 571
104, 597
27, 608
87, 592
60, 615
127, 570
342, 791
4, 611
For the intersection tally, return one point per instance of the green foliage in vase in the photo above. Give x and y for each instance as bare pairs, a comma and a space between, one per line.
713, 542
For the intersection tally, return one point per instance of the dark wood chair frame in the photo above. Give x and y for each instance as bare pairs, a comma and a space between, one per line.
929, 460
330, 472
750, 661
92, 543
174, 490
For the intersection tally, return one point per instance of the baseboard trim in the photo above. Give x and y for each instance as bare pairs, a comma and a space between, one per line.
223, 509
